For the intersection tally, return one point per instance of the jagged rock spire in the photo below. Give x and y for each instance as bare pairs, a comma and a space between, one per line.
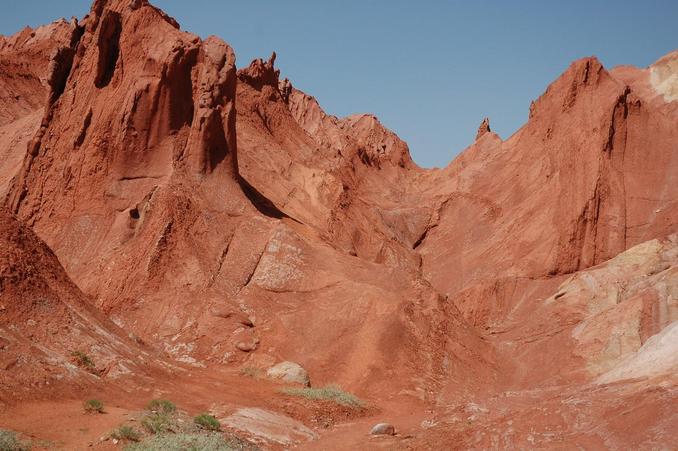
484, 128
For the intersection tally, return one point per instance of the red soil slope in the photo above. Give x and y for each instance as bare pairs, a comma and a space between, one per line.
49, 328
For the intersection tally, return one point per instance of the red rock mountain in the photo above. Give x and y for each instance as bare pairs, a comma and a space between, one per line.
523, 296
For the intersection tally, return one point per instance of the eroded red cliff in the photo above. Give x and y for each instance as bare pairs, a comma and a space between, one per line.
222, 217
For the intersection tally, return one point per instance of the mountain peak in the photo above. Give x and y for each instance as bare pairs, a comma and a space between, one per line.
664, 76
483, 128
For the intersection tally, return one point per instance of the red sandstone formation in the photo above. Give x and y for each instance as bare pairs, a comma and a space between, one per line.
516, 298
50, 333
483, 128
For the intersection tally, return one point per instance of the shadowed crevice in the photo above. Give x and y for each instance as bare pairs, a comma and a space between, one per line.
109, 48
261, 202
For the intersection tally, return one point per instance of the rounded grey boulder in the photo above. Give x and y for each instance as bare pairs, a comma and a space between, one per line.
383, 429
289, 372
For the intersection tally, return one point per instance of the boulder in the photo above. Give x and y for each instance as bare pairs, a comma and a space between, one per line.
383, 429
289, 372
246, 341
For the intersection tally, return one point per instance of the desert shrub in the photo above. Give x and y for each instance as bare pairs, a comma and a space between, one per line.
93, 406
9, 441
189, 442
329, 393
207, 422
162, 406
83, 360
158, 423
127, 433
161, 416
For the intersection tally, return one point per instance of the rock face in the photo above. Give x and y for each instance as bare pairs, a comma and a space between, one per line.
664, 76
25, 68
581, 214
49, 331
224, 218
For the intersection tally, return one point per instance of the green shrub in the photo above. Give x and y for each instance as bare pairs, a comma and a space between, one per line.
127, 433
83, 360
93, 406
161, 406
207, 422
9, 441
330, 393
189, 442
158, 423
160, 419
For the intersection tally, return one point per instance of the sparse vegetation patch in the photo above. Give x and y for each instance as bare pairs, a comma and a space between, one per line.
83, 360
158, 423
9, 441
207, 422
161, 406
329, 393
126, 433
190, 442
93, 406
160, 418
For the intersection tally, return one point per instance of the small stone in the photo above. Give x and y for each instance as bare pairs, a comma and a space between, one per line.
246, 341
246, 346
289, 372
383, 429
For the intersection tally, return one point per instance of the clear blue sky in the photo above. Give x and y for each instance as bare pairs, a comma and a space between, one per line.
430, 70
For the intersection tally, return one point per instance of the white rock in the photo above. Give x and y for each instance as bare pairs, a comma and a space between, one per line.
269, 426
658, 355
